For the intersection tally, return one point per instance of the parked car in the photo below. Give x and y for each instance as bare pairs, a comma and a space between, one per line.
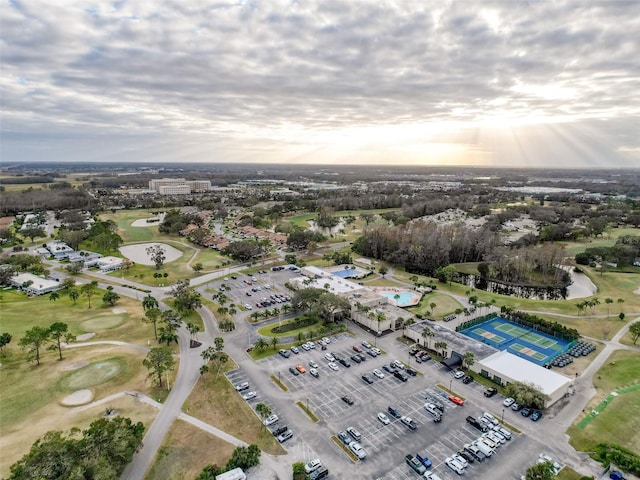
270, 420
400, 375
362, 357
344, 362
295, 350
356, 448
394, 412
453, 465
490, 417
312, 466
383, 418
516, 407
347, 399
490, 392
313, 364
314, 372
371, 353
424, 460
242, 386
367, 379
466, 455
332, 366
329, 357
284, 353
345, 437
459, 374
283, 437
432, 476
460, 460
366, 345
356, 358
356, 348
537, 415
411, 372
321, 472
294, 372
409, 422
378, 373
301, 369
354, 433
415, 464
507, 402
525, 412
249, 395
475, 423
456, 400
467, 379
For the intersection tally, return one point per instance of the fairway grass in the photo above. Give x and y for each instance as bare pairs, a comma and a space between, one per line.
619, 422
186, 450
16, 442
445, 305
217, 403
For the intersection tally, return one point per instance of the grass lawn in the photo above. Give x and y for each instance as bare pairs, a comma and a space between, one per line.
445, 305
619, 422
267, 331
190, 316
607, 240
380, 282
23, 421
186, 450
210, 260
130, 234
568, 474
216, 402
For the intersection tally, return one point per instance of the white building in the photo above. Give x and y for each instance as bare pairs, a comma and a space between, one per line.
179, 186
109, 264
504, 368
59, 250
199, 186
174, 190
34, 284
156, 183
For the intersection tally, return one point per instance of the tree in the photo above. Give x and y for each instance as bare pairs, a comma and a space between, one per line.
158, 361
198, 267
608, 301
446, 274
263, 410
32, 342
527, 394
274, 343
157, 255
244, 457
89, 290
261, 344
621, 316
427, 333
5, 339
540, 471
152, 315
59, 332
185, 296
53, 296
101, 451
110, 297
383, 270
634, 329
468, 359
33, 233
74, 295
167, 335
210, 472
149, 302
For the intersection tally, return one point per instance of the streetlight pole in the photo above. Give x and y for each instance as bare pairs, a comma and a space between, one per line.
450, 382
502, 420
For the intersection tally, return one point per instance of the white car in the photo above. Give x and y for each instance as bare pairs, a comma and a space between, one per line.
248, 307
490, 417
507, 402
332, 366
271, 419
330, 358
383, 418
311, 344
377, 350
378, 373
313, 364
460, 460
398, 364
325, 341
305, 347
503, 431
453, 465
431, 476
314, 372
312, 465
543, 457
249, 395
358, 450
242, 386
459, 374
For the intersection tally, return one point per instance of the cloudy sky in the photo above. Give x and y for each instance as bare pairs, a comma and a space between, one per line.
504, 83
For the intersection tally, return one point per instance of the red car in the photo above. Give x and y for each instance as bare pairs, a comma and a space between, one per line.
357, 348
456, 400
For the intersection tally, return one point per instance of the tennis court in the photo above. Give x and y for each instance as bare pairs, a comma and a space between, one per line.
524, 342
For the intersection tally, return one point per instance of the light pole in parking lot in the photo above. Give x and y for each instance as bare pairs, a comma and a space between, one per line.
450, 382
502, 416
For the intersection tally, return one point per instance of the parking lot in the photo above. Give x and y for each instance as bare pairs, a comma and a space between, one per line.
385, 445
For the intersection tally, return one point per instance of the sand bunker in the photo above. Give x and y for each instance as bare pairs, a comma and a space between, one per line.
119, 310
637, 292
84, 336
138, 253
79, 397
149, 222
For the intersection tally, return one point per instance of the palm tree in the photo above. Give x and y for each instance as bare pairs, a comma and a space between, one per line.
468, 359
149, 302
433, 306
274, 343
286, 308
261, 344
54, 296
608, 301
427, 333
232, 309
167, 336
264, 411
620, 302
255, 316
74, 295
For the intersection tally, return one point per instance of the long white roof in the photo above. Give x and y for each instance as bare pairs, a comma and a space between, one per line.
512, 367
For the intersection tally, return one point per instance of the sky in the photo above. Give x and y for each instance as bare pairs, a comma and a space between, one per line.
430, 82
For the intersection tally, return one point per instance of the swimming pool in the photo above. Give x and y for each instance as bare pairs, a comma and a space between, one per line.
347, 272
400, 297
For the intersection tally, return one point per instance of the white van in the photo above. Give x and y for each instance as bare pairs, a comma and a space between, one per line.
483, 447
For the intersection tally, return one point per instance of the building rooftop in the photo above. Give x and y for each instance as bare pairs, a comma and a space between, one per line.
522, 370
37, 282
455, 341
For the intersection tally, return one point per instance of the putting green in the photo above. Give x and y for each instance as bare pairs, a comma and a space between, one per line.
103, 322
93, 374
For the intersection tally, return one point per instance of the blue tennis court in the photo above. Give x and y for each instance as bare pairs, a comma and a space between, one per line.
524, 342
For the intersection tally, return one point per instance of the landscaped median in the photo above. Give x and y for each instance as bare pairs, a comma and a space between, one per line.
309, 413
277, 381
344, 448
